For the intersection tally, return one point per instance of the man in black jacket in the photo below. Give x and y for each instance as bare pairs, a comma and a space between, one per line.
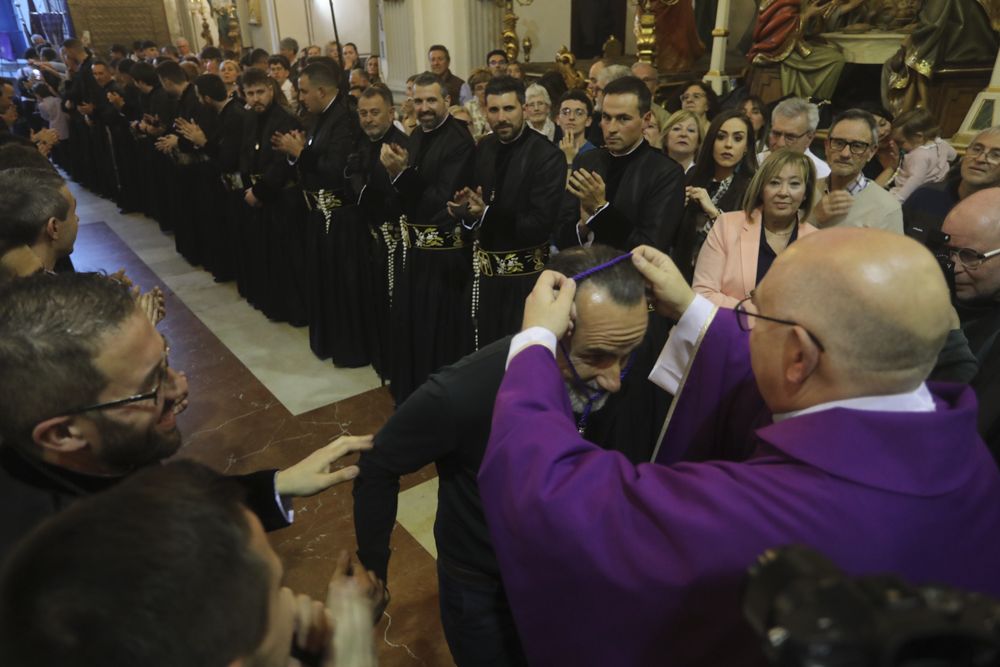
430, 308
158, 112
380, 209
627, 193
89, 397
447, 422
334, 236
519, 178
271, 253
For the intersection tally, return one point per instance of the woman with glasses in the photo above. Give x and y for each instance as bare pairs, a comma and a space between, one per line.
681, 136
716, 184
699, 98
537, 106
742, 245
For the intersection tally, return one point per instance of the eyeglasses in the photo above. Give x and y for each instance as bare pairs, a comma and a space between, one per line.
154, 394
969, 258
743, 320
787, 136
567, 112
691, 97
857, 147
991, 156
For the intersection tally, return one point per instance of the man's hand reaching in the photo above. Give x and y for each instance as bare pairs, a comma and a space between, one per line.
313, 473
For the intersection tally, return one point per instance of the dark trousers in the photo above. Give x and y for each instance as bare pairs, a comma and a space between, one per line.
477, 623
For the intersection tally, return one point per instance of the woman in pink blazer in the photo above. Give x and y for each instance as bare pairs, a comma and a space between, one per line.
742, 244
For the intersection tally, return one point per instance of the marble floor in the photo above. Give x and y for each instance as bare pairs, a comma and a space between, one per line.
260, 399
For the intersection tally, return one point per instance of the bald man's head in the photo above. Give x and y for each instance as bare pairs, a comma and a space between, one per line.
975, 223
876, 302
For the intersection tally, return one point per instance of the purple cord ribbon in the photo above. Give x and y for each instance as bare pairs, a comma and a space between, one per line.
600, 267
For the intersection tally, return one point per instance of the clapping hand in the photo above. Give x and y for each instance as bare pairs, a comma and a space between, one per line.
167, 143
290, 143
468, 204
394, 158
191, 131
589, 188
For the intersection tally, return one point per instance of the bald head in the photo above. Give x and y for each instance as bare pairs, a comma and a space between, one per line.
876, 302
975, 223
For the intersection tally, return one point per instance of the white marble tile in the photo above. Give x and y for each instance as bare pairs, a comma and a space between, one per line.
276, 353
417, 509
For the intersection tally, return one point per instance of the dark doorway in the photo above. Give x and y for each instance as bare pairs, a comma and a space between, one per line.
593, 22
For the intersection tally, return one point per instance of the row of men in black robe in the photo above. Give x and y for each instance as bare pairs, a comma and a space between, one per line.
407, 252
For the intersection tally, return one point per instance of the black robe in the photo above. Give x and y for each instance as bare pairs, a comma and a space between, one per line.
269, 250
982, 328
335, 243
156, 167
431, 316
187, 214
222, 199
380, 209
645, 191
522, 184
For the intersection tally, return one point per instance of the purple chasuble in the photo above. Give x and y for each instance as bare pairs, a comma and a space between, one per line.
609, 563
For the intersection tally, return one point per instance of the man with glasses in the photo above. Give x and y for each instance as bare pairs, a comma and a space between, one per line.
821, 378
926, 208
611, 321
973, 247
574, 119
848, 198
89, 397
793, 126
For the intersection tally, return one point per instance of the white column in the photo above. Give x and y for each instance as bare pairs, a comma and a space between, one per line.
485, 22
717, 68
400, 45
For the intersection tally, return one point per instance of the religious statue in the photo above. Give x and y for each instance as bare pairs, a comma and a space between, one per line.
566, 65
677, 43
228, 23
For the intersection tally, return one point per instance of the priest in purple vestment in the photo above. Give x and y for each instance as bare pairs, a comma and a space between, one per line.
821, 375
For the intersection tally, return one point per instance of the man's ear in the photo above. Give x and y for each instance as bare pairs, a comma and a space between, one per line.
51, 229
801, 356
59, 435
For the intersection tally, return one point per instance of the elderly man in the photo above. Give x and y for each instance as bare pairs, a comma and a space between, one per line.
926, 208
847, 197
821, 375
90, 397
611, 322
974, 245
793, 125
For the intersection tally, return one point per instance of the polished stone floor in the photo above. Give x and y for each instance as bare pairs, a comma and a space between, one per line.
259, 399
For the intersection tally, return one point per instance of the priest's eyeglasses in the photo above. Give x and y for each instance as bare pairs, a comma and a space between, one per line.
857, 147
743, 320
155, 394
969, 258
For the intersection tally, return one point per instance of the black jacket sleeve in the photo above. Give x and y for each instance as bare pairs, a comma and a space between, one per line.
262, 499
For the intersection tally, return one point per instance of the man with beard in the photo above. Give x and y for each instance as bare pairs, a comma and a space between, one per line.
430, 310
103, 117
335, 236
519, 177
89, 397
270, 257
379, 205
611, 321
220, 190
185, 216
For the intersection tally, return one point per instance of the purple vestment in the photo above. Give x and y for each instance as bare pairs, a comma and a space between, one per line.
608, 563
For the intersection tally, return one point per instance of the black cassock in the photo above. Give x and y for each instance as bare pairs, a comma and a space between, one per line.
380, 209
186, 213
82, 88
155, 166
222, 191
269, 250
645, 191
335, 240
522, 185
430, 311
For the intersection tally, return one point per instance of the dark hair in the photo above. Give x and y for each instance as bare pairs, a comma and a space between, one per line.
255, 77
857, 114
171, 50
578, 96
145, 73
28, 199
378, 90
346, 44
211, 53
713, 99
623, 282
41, 90
326, 73
125, 66
501, 85
212, 87
30, 53
72, 44
148, 44
289, 44
429, 79
16, 156
915, 121
51, 327
704, 166
97, 61
631, 85
48, 54
157, 571
118, 48
171, 71
279, 60
497, 52
258, 56
440, 47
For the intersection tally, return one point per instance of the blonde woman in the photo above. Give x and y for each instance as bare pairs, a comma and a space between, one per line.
682, 135
742, 245
229, 72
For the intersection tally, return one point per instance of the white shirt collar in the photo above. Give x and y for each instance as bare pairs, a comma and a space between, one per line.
327, 107
919, 400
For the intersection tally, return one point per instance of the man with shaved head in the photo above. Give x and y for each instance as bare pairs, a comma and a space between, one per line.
817, 381
974, 245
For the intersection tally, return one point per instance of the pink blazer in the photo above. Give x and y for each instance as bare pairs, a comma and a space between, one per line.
727, 263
